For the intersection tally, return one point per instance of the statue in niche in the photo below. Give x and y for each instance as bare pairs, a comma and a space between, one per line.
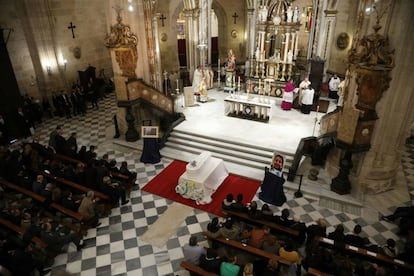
257, 54
263, 14
231, 60
289, 14
296, 14
290, 56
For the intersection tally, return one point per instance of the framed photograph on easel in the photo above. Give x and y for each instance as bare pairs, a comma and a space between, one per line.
150, 132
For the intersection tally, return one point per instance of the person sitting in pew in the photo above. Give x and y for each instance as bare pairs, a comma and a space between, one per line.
266, 212
338, 235
211, 261
315, 231
192, 251
287, 252
284, 219
253, 212
271, 245
355, 238
258, 236
230, 267
112, 166
214, 225
114, 190
227, 202
57, 238
268, 267
125, 171
69, 202
230, 230
390, 249
239, 205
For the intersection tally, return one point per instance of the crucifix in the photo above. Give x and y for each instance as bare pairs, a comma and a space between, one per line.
162, 18
235, 17
71, 27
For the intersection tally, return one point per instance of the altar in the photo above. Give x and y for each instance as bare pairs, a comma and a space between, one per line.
202, 178
257, 108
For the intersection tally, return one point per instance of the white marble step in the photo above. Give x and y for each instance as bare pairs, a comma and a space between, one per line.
226, 143
249, 155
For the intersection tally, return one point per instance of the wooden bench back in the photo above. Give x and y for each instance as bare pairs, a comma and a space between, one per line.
20, 231
196, 269
368, 254
42, 200
252, 250
270, 224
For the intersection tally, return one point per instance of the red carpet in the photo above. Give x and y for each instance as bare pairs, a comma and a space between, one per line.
164, 185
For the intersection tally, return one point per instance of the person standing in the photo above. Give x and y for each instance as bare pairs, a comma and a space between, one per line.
333, 86
72, 145
288, 96
306, 100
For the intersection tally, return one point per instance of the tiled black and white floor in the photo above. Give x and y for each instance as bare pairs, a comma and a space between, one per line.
115, 247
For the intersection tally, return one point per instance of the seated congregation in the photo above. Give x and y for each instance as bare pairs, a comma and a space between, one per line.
49, 201
255, 241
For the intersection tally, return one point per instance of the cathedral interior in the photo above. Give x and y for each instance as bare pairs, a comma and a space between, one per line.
150, 56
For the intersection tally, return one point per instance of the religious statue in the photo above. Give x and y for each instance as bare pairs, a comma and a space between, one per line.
202, 90
289, 14
263, 14
231, 60
290, 56
257, 53
197, 77
296, 15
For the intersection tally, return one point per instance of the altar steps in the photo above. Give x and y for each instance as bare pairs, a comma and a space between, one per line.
244, 158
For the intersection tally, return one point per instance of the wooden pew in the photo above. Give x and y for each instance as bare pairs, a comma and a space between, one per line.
315, 272
124, 178
196, 269
41, 199
272, 225
73, 185
369, 254
251, 249
22, 190
20, 231
105, 199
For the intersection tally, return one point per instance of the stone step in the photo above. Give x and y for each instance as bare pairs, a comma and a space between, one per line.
239, 153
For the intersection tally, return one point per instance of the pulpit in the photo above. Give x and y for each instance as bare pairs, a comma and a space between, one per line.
202, 178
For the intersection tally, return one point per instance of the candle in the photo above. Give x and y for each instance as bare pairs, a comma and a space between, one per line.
177, 83
239, 81
218, 63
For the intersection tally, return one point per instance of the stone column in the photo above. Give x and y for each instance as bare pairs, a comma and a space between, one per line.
250, 41
191, 16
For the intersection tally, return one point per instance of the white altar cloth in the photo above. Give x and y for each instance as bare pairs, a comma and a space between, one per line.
202, 177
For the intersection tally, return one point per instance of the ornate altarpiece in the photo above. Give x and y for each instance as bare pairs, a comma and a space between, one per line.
277, 35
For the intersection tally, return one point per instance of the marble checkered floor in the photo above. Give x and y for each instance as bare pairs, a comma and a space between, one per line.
115, 247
